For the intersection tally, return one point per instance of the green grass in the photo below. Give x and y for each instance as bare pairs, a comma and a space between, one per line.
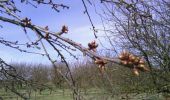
92, 94
56, 95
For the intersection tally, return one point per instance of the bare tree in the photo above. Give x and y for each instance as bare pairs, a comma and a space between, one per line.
141, 27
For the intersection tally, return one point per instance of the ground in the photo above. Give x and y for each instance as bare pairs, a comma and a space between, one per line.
92, 94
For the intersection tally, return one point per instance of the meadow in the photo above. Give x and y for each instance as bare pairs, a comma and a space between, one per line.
92, 94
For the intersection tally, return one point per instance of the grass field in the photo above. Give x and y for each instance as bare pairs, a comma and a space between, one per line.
58, 94
45, 95
92, 94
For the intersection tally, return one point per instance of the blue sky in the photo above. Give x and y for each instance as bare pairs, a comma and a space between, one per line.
74, 18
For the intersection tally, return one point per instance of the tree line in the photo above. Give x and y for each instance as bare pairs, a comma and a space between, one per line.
87, 75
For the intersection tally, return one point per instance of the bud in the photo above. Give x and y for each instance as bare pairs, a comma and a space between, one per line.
92, 46
125, 54
100, 61
64, 29
130, 62
102, 68
121, 57
141, 61
124, 62
142, 67
26, 21
135, 71
131, 57
47, 35
136, 61
99, 66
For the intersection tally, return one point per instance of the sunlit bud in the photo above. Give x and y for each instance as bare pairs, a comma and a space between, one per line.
135, 71
141, 61
124, 62
125, 54
142, 67
130, 63
102, 68
99, 66
121, 57
136, 61
131, 57
100, 62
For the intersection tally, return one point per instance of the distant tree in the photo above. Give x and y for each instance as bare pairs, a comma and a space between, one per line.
56, 78
40, 74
